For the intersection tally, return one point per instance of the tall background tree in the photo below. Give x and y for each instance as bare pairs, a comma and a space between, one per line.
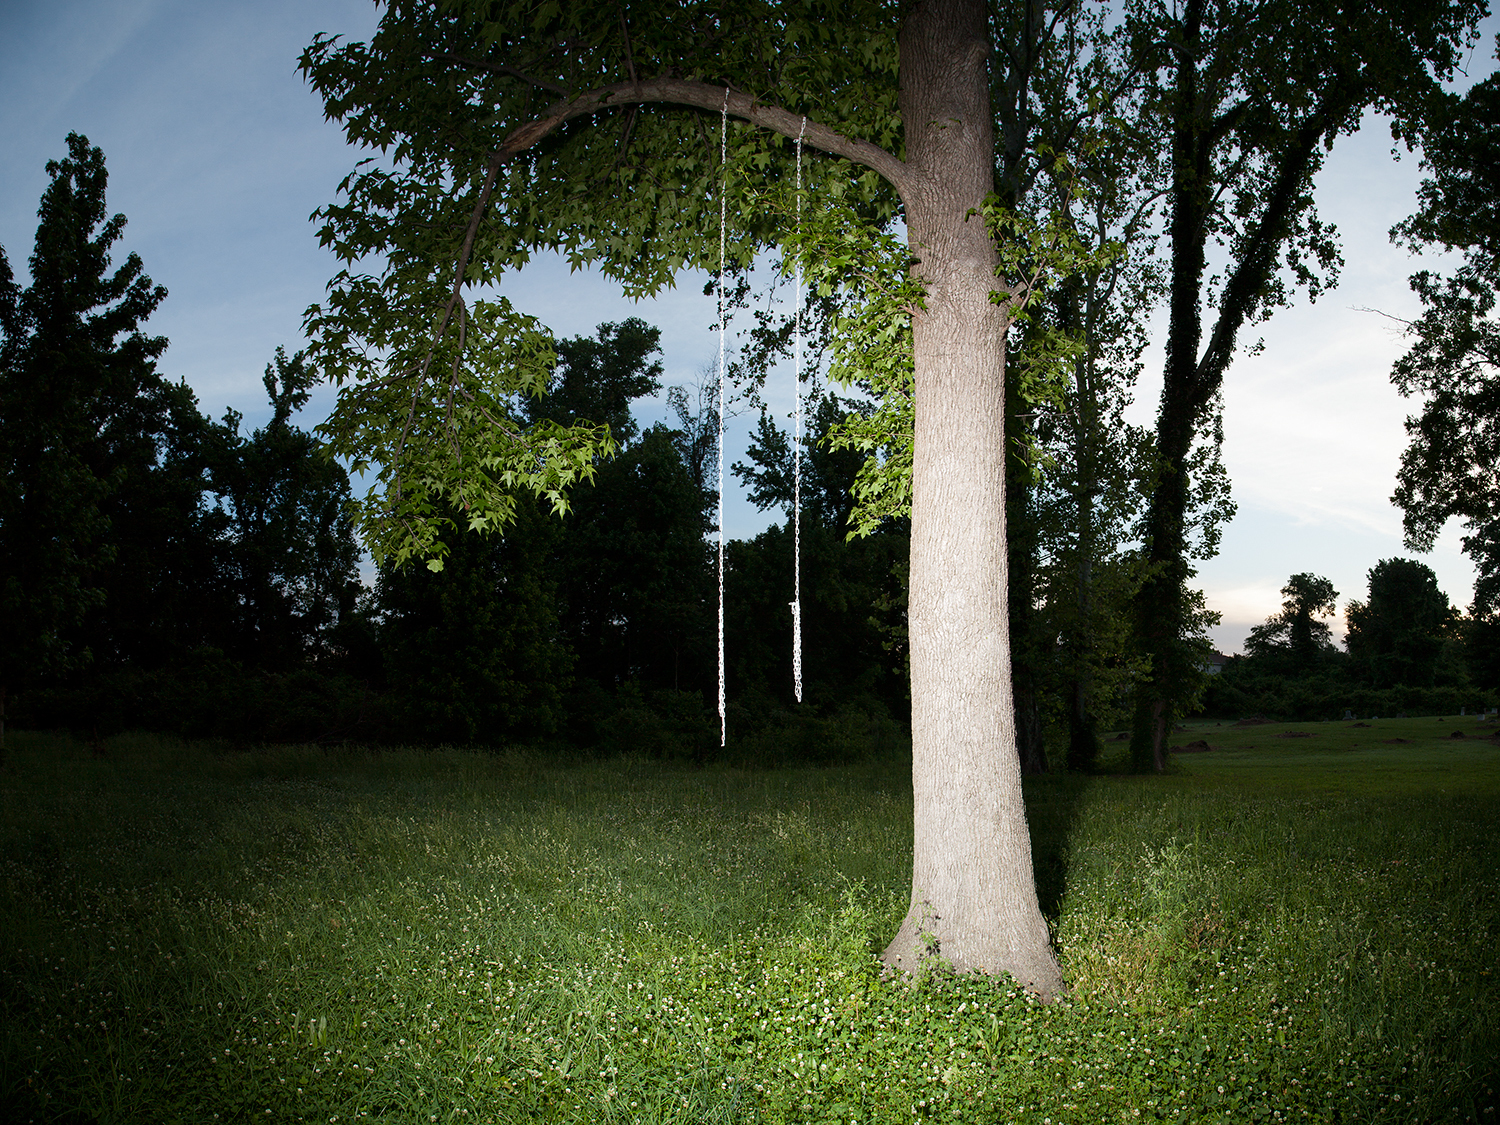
1251, 97
76, 366
1451, 467
291, 558
632, 563
1396, 635
1060, 72
1297, 638
1082, 470
143, 546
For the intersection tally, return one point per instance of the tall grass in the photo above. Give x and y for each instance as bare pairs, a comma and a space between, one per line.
1295, 932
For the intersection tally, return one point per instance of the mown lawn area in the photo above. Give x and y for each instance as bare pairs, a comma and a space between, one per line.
1281, 929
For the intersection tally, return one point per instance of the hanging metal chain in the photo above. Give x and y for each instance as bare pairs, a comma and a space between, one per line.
723, 214
797, 443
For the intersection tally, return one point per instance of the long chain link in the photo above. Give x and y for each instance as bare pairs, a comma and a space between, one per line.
797, 443
723, 215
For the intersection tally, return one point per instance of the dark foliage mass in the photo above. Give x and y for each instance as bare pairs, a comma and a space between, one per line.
85, 419
165, 571
598, 630
147, 549
1406, 652
1296, 640
1453, 368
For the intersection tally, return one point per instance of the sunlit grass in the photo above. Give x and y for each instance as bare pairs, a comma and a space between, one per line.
1298, 931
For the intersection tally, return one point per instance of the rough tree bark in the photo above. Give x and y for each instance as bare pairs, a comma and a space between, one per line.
973, 896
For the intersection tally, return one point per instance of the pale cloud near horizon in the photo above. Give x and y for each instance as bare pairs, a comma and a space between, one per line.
1311, 433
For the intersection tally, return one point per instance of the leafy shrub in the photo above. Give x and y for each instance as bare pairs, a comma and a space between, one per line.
1238, 692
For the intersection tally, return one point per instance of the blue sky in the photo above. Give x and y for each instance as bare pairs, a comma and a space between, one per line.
218, 153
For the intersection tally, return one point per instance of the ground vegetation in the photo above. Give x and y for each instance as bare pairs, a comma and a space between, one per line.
1293, 926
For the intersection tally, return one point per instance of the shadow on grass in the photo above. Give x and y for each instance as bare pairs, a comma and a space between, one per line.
23, 1105
1053, 802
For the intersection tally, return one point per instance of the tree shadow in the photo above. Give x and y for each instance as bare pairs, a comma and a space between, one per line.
1053, 804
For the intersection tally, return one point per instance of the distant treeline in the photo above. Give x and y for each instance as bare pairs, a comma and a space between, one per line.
162, 570
1407, 651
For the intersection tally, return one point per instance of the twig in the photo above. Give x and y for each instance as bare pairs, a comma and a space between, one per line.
499, 68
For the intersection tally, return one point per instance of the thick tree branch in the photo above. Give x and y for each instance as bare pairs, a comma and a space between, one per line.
703, 95
1258, 261
492, 170
629, 53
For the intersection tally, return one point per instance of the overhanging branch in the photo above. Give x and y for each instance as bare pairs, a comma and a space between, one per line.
666, 91
1258, 261
702, 95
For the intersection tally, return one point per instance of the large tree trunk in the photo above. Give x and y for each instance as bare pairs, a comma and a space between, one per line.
974, 897
1160, 608
1160, 616
1159, 602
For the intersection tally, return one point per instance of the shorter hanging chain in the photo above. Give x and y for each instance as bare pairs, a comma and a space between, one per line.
797, 442
723, 187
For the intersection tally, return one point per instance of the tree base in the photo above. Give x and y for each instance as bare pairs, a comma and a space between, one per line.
917, 949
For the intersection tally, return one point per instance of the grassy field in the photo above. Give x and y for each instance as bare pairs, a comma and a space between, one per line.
1282, 929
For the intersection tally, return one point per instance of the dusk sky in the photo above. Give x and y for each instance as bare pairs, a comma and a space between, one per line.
218, 153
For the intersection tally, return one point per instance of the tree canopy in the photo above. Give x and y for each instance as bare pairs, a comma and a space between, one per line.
290, 551
80, 394
513, 127
1396, 634
1296, 637
1451, 467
